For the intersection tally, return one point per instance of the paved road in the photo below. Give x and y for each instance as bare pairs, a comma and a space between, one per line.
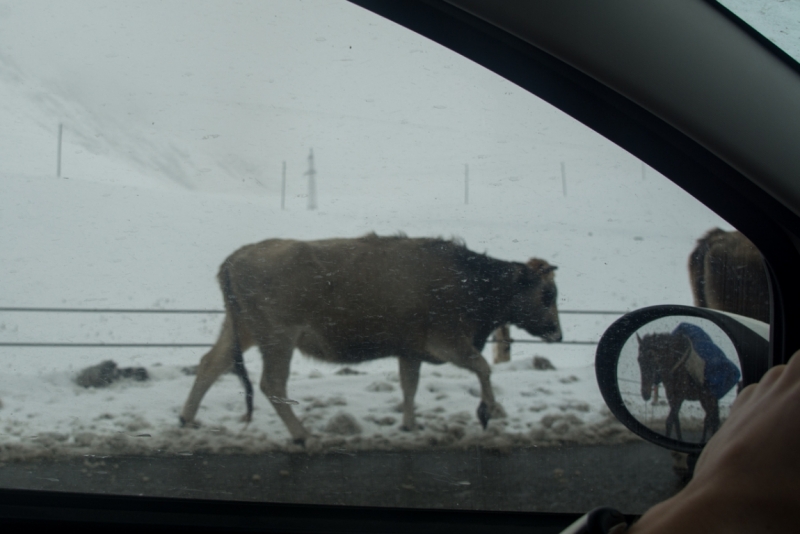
567, 479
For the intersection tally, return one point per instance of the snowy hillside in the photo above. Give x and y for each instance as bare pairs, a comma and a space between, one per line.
177, 118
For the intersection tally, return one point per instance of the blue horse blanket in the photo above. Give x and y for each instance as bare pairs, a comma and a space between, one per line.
719, 373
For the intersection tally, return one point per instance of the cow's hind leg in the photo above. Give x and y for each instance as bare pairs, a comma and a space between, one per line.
220, 359
277, 355
409, 380
502, 344
464, 355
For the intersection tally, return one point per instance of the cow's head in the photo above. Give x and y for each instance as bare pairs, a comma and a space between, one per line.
533, 306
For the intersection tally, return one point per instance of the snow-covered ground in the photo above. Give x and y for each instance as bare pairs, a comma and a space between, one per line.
46, 413
177, 118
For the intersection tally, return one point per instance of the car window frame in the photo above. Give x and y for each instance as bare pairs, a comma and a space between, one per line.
664, 148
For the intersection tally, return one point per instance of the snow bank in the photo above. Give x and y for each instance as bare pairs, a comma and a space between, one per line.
46, 416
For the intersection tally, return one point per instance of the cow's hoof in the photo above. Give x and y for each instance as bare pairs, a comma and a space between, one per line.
246, 418
300, 441
484, 414
188, 424
407, 428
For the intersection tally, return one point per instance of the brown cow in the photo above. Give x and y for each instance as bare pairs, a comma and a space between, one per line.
502, 344
727, 273
502, 336
352, 300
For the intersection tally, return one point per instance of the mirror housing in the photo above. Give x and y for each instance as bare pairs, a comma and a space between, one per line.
750, 339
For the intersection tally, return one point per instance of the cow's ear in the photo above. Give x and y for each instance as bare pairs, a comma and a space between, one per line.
524, 276
541, 267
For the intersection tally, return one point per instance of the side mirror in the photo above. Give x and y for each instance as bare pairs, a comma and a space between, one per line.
671, 373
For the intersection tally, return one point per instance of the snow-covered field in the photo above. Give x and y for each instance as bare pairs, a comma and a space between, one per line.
177, 118
46, 413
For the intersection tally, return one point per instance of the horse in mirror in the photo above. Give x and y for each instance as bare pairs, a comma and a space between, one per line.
691, 367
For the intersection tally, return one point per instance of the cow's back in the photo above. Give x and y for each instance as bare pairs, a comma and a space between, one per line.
728, 274
697, 265
370, 295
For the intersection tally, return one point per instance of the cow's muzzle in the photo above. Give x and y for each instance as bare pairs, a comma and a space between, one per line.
553, 337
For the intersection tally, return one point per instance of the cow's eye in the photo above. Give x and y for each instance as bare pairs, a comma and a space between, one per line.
548, 297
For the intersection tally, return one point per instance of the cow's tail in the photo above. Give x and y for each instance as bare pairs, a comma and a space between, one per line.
697, 267
234, 312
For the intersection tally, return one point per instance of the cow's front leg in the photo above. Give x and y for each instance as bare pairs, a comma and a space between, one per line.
409, 380
488, 408
464, 355
277, 358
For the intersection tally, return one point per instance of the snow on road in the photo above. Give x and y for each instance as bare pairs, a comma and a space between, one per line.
347, 408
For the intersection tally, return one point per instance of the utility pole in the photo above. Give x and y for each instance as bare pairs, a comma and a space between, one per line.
466, 183
58, 157
312, 181
283, 187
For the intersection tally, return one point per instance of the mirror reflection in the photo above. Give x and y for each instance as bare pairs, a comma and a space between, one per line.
679, 377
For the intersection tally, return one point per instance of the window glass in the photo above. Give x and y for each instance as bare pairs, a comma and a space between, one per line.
777, 20
144, 143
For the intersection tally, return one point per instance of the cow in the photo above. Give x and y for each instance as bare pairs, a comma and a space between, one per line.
502, 336
727, 273
352, 300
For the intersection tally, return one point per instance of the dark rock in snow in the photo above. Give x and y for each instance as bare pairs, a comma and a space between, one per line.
540, 363
107, 372
98, 376
348, 371
376, 387
343, 424
136, 373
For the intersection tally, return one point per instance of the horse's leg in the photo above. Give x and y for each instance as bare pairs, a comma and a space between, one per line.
711, 424
668, 424
673, 419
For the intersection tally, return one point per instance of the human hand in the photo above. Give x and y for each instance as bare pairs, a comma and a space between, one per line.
746, 479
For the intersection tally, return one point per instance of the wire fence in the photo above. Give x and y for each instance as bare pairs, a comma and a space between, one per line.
209, 312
